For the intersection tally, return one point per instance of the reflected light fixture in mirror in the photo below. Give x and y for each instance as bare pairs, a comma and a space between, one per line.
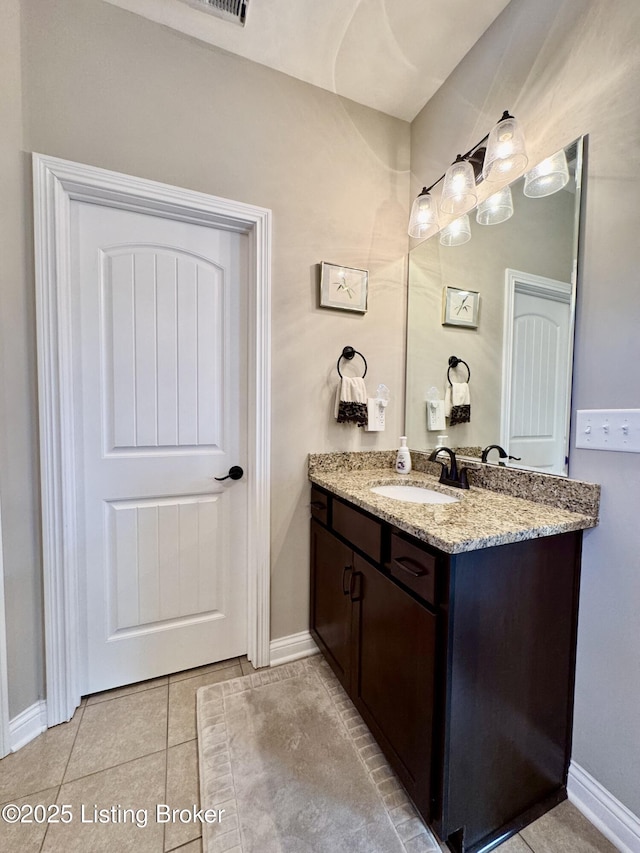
547, 177
457, 232
506, 156
424, 216
496, 209
459, 188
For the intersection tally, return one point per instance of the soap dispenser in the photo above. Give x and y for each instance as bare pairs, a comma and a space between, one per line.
403, 457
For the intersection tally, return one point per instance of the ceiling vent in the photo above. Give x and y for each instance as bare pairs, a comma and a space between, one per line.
229, 10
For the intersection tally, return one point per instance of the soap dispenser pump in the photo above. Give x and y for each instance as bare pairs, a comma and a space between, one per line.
403, 457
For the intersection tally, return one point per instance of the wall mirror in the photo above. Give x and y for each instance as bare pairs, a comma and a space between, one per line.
519, 347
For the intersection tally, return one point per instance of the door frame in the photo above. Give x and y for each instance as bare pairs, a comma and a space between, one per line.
56, 184
547, 288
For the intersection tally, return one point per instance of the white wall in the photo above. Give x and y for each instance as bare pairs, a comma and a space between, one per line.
105, 87
564, 68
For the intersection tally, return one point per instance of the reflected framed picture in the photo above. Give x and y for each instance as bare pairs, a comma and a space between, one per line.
345, 288
460, 307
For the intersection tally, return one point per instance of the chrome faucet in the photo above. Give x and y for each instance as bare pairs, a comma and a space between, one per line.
450, 476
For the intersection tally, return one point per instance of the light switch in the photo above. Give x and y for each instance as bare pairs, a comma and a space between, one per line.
608, 429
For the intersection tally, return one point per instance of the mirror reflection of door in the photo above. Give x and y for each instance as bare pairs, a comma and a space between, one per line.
536, 371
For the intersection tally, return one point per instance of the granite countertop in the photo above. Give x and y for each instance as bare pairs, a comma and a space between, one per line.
481, 519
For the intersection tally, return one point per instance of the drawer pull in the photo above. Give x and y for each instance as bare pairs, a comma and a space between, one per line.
346, 587
406, 563
318, 505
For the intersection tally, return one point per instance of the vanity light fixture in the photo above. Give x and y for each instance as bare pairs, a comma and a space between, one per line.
424, 216
505, 156
501, 160
547, 177
457, 232
495, 209
459, 188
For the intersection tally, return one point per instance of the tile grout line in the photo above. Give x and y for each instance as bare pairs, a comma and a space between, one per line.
46, 830
82, 709
169, 682
526, 842
121, 696
113, 766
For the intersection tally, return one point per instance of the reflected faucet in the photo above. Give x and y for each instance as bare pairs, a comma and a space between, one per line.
449, 475
502, 453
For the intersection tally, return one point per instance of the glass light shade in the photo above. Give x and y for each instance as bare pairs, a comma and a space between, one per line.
457, 232
424, 217
547, 177
459, 189
505, 156
495, 209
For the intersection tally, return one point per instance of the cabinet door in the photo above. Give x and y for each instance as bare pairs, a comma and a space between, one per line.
394, 649
330, 618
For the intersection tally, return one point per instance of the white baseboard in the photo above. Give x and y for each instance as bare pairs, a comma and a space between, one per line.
614, 820
28, 724
293, 647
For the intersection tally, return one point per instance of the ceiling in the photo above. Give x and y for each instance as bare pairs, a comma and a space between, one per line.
391, 55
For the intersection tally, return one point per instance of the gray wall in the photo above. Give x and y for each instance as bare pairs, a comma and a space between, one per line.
108, 88
18, 428
564, 68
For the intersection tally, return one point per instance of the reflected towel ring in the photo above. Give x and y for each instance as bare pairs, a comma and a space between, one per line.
454, 361
348, 353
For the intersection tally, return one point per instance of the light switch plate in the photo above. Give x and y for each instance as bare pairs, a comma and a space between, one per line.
375, 415
608, 429
435, 415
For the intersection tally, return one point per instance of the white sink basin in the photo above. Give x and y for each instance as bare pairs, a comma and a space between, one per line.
414, 494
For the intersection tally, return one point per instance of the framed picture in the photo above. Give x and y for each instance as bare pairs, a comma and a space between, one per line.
460, 307
343, 287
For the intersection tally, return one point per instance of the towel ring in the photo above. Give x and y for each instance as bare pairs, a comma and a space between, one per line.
454, 362
348, 353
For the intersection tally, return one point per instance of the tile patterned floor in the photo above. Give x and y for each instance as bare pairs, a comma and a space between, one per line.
134, 747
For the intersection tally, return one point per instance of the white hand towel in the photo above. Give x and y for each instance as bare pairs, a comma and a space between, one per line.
457, 403
351, 401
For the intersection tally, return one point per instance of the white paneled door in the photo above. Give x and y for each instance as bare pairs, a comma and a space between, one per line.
539, 346
160, 360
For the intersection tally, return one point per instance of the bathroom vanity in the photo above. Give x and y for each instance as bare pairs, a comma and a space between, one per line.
453, 630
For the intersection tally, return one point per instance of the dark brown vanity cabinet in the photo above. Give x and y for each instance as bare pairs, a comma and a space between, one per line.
381, 645
461, 665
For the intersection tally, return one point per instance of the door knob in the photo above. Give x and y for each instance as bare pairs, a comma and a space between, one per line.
235, 473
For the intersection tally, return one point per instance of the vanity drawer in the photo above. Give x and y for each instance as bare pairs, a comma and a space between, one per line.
414, 567
356, 527
320, 505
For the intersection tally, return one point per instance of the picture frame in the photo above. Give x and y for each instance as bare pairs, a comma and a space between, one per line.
345, 288
460, 307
